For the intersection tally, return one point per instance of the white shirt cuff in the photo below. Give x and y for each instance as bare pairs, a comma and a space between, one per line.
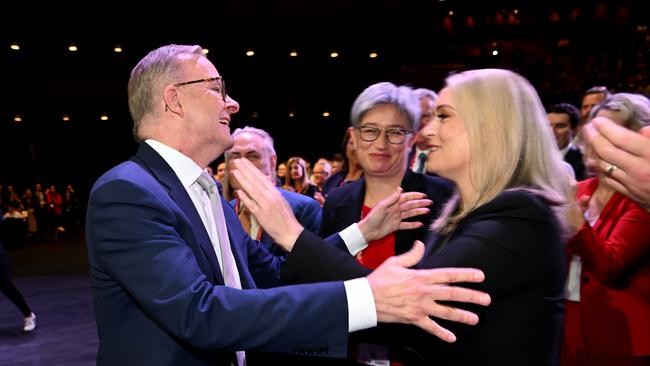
362, 313
353, 239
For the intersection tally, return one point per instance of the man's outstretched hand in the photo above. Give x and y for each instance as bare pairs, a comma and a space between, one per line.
404, 295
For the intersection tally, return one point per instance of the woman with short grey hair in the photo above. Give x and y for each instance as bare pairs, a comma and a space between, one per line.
384, 118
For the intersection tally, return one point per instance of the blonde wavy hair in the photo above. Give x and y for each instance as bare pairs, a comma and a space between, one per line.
511, 143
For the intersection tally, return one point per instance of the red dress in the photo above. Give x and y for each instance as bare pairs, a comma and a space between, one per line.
611, 323
377, 250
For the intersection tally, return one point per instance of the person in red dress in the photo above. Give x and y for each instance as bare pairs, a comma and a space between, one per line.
608, 306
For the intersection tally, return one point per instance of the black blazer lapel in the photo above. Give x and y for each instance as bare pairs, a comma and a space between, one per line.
149, 159
348, 209
404, 238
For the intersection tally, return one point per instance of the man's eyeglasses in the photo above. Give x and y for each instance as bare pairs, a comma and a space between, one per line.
394, 136
224, 94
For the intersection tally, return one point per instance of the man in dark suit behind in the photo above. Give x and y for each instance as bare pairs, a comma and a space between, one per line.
420, 150
564, 119
157, 257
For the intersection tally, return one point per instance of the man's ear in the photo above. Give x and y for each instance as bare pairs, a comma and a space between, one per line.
273, 161
172, 101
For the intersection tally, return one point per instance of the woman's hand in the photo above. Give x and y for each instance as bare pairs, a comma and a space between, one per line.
388, 215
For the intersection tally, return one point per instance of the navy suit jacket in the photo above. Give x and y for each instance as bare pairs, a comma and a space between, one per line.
158, 290
343, 207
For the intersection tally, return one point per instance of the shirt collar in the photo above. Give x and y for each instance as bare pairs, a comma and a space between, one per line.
185, 168
566, 149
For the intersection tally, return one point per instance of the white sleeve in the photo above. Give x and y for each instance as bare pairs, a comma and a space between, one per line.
362, 313
353, 239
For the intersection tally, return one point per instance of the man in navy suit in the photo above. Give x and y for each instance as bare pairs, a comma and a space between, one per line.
156, 255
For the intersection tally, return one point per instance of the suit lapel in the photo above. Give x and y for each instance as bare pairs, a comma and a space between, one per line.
150, 159
348, 209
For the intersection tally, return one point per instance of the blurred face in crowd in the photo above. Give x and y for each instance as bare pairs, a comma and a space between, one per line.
428, 106
590, 156
319, 174
350, 150
221, 171
561, 126
381, 157
249, 146
448, 141
282, 170
337, 165
588, 102
296, 172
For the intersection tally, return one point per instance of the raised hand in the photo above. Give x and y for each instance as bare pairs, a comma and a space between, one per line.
386, 217
625, 149
268, 206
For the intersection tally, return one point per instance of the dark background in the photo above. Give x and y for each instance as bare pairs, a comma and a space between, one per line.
561, 47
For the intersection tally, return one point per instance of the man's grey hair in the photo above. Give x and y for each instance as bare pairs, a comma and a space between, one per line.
266, 139
148, 78
633, 109
423, 92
